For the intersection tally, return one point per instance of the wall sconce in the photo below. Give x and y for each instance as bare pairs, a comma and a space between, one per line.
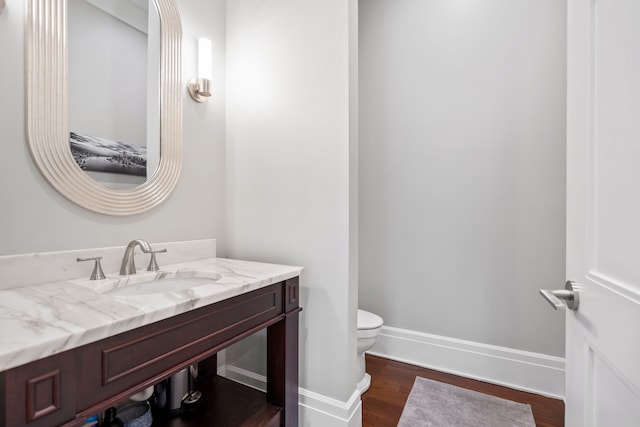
199, 88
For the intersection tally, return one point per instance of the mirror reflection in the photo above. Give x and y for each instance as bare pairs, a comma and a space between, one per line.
114, 89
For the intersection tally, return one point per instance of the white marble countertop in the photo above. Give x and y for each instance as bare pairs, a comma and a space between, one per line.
41, 320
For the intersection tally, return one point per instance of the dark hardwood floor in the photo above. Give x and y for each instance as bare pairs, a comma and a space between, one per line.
391, 383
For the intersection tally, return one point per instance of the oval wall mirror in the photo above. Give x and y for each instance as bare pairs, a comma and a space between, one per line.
104, 122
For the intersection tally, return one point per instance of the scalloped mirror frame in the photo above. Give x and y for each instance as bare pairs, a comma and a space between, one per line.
47, 124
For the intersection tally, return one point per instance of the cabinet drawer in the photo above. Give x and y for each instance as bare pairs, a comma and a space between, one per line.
129, 359
39, 394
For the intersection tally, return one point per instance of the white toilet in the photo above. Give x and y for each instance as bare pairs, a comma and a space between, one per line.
369, 326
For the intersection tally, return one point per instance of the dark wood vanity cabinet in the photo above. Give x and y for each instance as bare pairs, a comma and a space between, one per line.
66, 388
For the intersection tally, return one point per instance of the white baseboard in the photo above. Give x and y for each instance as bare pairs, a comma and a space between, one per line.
522, 370
242, 376
315, 410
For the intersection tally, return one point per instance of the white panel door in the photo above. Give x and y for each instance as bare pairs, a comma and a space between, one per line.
603, 213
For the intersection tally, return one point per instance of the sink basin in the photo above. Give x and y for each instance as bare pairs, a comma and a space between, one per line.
164, 283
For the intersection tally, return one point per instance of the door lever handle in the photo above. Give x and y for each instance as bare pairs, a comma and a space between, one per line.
556, 297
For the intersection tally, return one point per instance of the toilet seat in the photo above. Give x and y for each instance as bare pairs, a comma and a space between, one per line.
367, 321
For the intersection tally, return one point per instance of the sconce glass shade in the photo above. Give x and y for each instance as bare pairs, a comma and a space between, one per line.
205, 61
199, 88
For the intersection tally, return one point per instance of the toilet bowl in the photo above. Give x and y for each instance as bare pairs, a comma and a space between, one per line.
369, 326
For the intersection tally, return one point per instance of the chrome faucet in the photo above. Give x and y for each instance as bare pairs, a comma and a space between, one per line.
128, 265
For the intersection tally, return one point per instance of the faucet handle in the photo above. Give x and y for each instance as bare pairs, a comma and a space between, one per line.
153, 264
97, 273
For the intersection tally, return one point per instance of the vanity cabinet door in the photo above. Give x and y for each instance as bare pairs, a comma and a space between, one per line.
39, 394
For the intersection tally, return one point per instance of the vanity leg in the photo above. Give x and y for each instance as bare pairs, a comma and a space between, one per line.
209, 366
282, 367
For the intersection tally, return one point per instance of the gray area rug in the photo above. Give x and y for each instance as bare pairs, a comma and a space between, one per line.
432, 403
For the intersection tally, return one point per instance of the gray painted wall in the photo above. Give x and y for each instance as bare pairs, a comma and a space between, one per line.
288, 165
462, 168
34, 217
